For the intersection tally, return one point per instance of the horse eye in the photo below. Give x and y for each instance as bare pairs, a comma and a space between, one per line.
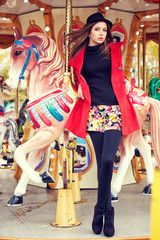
18, 53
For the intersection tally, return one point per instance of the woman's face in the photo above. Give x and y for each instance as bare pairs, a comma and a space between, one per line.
98, 34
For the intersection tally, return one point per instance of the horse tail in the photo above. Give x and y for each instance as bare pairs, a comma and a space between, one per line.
14, 130
155, 127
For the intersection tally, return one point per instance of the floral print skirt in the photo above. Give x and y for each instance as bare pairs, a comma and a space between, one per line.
104, 117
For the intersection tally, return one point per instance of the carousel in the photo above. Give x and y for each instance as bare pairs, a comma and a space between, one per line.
48, 176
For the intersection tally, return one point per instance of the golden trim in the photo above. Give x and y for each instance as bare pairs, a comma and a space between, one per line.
15, 23
47, 15
135, 26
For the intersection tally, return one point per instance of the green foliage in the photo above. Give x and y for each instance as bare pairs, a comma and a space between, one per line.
152, 63
152, 48
4, 71
4, 62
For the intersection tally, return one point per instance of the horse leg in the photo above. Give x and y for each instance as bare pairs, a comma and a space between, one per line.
20, 189
40, 140
13, 147
145, 150
127, 153
2, 135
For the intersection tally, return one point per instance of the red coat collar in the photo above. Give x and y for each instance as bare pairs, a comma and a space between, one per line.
77, 61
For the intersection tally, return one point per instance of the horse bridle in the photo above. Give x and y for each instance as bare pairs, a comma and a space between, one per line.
28, 45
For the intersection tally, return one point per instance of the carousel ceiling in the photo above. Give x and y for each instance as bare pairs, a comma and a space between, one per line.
24, 6
10, 9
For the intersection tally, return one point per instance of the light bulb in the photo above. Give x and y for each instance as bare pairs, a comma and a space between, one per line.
47, 28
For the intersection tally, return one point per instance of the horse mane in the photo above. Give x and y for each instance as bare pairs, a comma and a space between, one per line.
50, 60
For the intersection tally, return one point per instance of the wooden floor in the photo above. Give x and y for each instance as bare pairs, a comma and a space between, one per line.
132, 238
33, 219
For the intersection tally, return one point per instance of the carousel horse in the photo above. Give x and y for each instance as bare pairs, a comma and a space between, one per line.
36, 57
142, 104
8, 127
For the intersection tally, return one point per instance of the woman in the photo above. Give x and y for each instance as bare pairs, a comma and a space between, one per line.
103, 108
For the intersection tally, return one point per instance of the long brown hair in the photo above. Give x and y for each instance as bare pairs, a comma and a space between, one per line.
80, 38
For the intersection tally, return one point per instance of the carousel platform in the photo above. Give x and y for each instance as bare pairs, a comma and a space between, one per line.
33, 219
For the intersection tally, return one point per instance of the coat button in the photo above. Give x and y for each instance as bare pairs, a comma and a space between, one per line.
120, 68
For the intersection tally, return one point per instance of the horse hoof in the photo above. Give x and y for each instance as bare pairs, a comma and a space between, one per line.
15, 201
10, 160
5, 166
47, 178
5, 158
114, 198
147, 189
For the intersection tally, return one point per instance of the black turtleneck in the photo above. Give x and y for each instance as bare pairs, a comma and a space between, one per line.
97, 73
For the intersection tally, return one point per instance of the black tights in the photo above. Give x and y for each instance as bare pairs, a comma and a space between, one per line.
105, 146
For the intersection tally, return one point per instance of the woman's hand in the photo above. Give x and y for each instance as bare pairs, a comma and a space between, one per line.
128, 86
80, 93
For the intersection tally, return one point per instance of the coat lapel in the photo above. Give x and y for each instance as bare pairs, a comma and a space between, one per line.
77, 61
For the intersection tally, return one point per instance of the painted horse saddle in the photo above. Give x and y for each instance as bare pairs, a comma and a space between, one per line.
48, 106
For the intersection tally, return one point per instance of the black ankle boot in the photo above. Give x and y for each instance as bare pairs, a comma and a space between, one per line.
109, 223
97, 222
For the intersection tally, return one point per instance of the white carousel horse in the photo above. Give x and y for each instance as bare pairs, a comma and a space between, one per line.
37, 57
8, 127
142, 104
50, 102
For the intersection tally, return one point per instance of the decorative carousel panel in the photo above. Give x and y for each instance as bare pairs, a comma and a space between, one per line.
119, 34
33, 28
76, 24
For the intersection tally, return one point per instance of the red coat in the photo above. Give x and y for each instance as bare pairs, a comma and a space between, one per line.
78, 118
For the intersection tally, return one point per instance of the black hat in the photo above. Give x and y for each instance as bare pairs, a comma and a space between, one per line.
97, 17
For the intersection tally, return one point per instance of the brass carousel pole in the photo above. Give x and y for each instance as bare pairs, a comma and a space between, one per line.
68, 71
65, 214
144, 59
68, 29
74, 176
